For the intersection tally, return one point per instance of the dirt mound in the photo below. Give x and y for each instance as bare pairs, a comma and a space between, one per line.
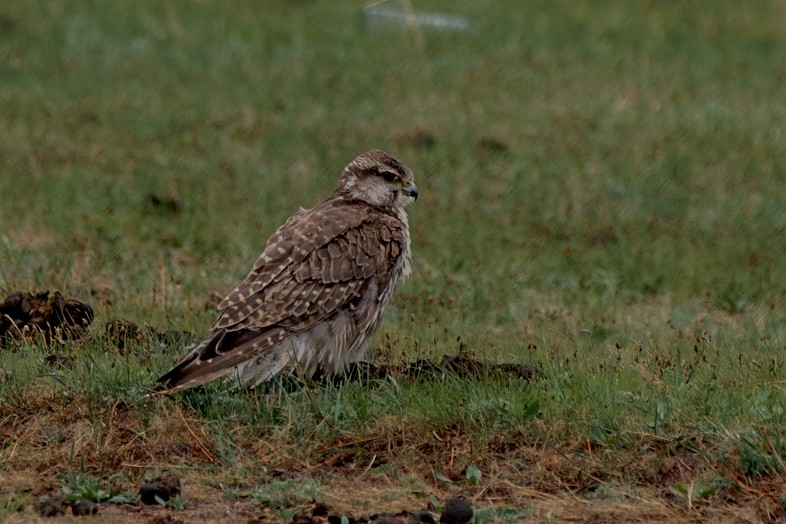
461, 365
25, 316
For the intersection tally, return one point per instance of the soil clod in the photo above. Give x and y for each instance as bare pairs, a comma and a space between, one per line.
84, 507
457, 511
460, 365
25, 316
161, 488
423, 516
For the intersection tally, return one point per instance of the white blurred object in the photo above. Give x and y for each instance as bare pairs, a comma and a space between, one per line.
377, 16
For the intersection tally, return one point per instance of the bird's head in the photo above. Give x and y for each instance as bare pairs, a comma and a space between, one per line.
378, 179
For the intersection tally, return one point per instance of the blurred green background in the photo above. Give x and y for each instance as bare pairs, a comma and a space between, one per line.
602, 168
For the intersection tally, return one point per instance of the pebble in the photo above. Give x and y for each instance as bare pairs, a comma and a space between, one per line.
84, 507
457, 511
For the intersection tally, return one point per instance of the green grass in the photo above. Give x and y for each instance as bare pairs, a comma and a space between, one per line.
629, 242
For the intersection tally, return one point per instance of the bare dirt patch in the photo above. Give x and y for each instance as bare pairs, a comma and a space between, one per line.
392, 474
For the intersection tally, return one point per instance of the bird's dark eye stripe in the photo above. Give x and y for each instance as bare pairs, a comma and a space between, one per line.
389, 176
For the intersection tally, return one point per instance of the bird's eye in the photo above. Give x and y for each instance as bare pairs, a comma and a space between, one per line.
390, 176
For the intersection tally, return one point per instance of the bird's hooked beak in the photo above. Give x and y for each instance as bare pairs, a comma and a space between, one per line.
411, 191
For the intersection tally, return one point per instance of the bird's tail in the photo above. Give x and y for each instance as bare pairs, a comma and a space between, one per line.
224, 352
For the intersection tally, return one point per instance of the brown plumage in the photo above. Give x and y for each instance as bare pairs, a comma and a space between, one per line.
318, 292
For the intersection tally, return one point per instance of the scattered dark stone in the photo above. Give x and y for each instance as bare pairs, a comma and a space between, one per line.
84, 507
49, 506
163, 519
419, 138
402, 517
302, 518
457, 511
26, 315
423, 516
166, 203
165, 487
58, 360
386, 518
336, 519
493, 145
320, 511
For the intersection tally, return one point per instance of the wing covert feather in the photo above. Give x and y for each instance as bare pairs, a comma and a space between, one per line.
294, 240
308, 289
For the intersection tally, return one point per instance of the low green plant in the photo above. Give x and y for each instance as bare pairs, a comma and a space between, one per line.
287, 495
473, 474
491, 514
176, 503
698, 490
11, 504
79, 485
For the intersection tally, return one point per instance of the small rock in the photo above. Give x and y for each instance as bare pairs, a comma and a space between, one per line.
423, 516
49, 506
302, 518
457, 511
165, 487
320, 511
386, 518
84, 507
337, 519
403, 517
